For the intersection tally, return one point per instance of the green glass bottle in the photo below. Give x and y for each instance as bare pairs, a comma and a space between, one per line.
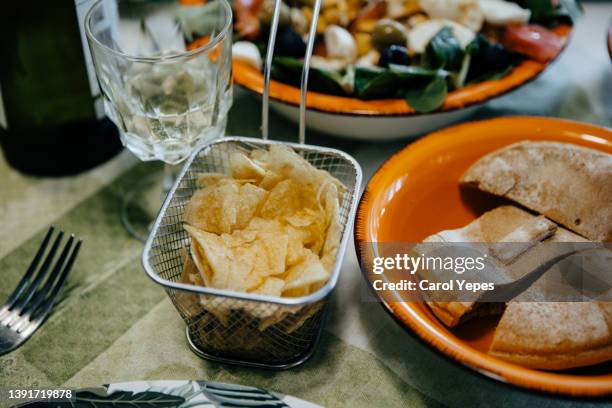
51, 119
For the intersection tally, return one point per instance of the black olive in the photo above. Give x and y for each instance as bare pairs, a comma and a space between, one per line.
394, 54
495, 56
289, 44
487, 57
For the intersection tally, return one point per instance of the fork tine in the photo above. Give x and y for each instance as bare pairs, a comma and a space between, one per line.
42, 293
33, 265
46, 307
41, 274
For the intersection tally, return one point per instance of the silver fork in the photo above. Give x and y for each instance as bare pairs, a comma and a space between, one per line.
33, 298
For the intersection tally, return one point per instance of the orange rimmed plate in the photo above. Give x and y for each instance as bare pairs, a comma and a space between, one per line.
386, 118
416, 193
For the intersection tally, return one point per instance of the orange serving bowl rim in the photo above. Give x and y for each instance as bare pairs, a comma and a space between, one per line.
473, 94
410, 314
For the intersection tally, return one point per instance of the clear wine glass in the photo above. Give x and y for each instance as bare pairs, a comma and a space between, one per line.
164, 69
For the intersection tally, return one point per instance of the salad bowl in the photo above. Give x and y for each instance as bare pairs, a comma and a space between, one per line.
383, 119
379, 95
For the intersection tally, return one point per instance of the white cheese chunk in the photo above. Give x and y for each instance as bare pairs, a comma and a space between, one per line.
248, 53
465, 12
500, 12
339, 43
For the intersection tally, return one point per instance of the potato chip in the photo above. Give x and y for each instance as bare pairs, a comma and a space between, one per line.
201, 264
334, 229
270, 180
213, 208
271, 287
250, 198
305, 314
302, 218
230, 267
282, 200
275, 252
218, 307
259, 224
296, 292
284, 161
259, 156
224, 206
306, 273
239, 238
312, 225
296, 252
316, 235
244, 168
287, 198
191, 275
207, 179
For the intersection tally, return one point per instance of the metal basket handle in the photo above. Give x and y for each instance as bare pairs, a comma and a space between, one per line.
265, 108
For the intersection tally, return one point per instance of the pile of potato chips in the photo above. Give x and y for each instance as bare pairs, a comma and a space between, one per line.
271, 227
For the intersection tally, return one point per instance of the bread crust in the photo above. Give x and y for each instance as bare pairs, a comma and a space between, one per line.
452, 313
555, 362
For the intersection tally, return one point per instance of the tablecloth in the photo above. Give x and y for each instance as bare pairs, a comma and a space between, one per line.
114, 324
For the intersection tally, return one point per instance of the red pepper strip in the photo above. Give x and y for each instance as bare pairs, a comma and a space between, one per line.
532, 40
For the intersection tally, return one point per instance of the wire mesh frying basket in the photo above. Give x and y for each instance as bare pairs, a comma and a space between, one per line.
245, 328
242, 327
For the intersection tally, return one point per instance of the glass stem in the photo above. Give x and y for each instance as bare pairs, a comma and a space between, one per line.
170, 174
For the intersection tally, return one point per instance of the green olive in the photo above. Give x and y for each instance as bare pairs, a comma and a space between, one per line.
388, 32
267, 9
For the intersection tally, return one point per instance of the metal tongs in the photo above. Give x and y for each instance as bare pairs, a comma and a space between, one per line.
265, 109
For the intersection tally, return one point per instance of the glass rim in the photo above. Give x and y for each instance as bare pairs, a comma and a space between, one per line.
209, 45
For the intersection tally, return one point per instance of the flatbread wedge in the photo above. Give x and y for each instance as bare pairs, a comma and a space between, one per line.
502, 224
513, 235
569, 184
554, 335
